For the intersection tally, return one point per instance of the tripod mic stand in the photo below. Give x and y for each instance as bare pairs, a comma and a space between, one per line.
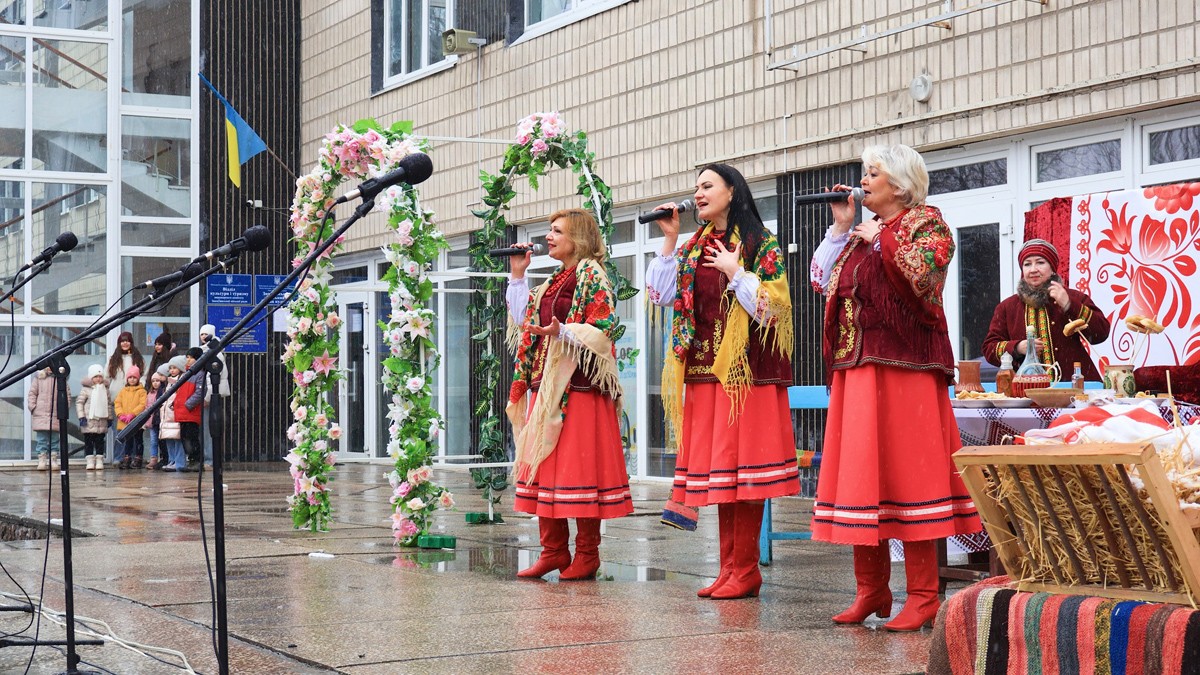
204, 363
57, 361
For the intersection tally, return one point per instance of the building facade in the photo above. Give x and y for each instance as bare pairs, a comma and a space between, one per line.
106, 132
1011, 102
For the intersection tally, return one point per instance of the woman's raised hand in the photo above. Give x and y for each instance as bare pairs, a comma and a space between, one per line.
519, 263
552, 328
725, 259
843, 211
670, 227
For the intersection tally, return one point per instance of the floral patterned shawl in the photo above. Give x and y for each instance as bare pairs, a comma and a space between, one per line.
732, 366
590, 322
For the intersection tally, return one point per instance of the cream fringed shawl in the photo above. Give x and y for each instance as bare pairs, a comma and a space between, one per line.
589, 348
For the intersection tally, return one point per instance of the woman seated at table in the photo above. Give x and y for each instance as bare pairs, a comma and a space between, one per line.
1062, 317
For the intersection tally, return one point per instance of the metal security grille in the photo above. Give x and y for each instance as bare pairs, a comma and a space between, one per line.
251, 53
805, 227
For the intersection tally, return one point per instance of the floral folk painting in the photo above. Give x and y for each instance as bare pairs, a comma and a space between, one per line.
357, 153
1136, 252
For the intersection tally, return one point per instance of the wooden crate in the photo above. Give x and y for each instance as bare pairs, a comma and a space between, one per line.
1068, 519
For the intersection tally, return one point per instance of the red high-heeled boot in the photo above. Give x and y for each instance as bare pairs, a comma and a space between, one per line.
872, 570
744, 579
587, 551
554, 535
921, 570
725, 517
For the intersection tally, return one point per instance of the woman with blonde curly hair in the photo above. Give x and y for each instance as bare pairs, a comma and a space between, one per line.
565, 397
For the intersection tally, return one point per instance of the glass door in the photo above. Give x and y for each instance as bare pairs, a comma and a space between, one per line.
981, 274
355, 405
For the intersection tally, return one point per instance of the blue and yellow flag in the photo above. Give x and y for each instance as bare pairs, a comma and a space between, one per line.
242, 141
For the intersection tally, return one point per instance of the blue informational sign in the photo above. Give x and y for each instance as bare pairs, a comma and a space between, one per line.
265, 283
224, 318
230, 289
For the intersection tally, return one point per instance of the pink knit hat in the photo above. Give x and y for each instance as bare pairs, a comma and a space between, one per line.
133, 371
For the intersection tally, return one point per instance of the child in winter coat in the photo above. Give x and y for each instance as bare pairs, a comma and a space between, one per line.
45, 422
169, 430
189, 409
130, 403
92, 407
158, 382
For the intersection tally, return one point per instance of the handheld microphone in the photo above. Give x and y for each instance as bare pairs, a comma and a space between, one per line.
681, 207
413, 169
253, 239
827, 197
183, 275
65, 242
537, 249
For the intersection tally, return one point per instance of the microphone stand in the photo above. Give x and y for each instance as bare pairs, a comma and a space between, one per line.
57, 360
61, 370
217, 421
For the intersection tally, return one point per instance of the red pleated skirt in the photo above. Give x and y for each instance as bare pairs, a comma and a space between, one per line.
886, 471
584, 477
753, 457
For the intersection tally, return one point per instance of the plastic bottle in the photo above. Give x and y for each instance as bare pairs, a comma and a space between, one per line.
1031, 365
1077, 378
1004, 376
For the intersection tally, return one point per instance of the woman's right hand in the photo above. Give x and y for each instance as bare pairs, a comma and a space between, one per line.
843, 212
669, 225
519, 263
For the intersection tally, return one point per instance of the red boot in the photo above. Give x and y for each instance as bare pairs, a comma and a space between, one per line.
744, 578
587, 551
921, 569
554, 535
725, 517
872, 570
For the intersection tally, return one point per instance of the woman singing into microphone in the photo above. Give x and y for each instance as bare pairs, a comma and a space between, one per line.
570, 461
731, 346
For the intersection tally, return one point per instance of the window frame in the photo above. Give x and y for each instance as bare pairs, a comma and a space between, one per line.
583, 9
391, 81
1166, 172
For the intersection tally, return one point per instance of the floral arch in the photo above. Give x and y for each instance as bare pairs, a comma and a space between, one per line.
356, 153
541, 143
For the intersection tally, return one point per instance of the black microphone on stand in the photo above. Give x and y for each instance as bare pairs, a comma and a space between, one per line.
537, 249
183, 275
65, 242
827, 197
253, 239
413, 169
681, 207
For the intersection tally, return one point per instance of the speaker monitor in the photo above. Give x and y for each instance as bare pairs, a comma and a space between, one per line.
458, 41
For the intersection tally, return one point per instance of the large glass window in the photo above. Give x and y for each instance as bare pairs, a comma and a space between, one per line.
12, 102
1175, 145
968, 177
138, 270
12, 399
457, 366
71, 14
1079, 160
626, 348
12, 228
155, 53
77, 281
414, 33
70, 105
660, 456
155, 167
157, 235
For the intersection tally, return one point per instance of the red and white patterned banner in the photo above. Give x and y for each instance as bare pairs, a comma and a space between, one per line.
1137, 252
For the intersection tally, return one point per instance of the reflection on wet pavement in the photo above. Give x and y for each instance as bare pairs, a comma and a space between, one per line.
347, 600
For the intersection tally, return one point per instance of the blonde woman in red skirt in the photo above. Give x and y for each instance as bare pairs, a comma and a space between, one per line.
886, 471
564, 399
725, 379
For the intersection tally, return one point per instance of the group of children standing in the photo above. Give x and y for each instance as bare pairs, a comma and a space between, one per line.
174, 429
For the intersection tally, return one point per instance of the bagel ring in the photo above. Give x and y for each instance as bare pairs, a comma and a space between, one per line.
1074, 327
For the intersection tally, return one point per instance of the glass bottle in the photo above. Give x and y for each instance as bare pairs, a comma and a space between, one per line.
1077, 378
1031, 365
1004, 376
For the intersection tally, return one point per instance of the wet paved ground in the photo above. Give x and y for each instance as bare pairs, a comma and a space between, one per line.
369, 608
